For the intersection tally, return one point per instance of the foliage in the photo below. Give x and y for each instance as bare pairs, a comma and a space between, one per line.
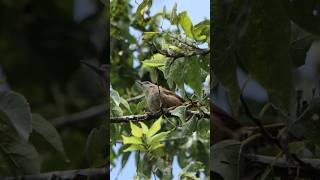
270, 41
43, 82
172, 58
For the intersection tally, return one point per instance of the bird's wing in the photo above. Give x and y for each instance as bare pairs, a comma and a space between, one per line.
167, 92
228, 121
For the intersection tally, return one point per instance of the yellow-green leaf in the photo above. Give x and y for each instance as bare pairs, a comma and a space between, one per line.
156, 126
149, 35
155, 146
131, 140
156, 60
144, 127
157, 138
134, 147
135, 130
186, 24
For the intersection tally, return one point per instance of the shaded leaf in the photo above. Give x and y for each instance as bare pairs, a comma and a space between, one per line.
305, 14
271, 70
49, 133
224, 158
96, 149
180, 112
16, 111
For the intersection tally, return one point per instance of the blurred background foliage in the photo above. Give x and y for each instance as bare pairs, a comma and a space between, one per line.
41, 45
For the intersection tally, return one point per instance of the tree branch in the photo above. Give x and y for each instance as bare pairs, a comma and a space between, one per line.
156, 115
92, 174
76, 118
282, 167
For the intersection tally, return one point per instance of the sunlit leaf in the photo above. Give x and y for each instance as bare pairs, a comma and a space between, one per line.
131, 140
155, 146
134, 147
135, 130
144, 127
156, 126
186, 24
157, 138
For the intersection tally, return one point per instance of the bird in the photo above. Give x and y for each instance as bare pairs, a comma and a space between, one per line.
223, 126
158, 97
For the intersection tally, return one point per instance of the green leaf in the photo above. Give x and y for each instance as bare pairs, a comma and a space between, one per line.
157, 60
115, 110
144, 127
272, 70
125, 104
193, 78
155, 146
174, 16
180, 112
190, 126
134, 147
186, 24
147, 36
224, 56
49, 133
296, 147
142, 7
157, 138
131, 140
22, 157
124, 159
174, 72
201, 31
135, 130
115, 96
16, 111
141, 105
156, 126
224, 158
96, 149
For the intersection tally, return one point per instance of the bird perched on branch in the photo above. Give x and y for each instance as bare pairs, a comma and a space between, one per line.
158, 97
224, 127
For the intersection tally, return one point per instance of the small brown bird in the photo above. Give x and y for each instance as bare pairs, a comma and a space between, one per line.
225, 127
154, 99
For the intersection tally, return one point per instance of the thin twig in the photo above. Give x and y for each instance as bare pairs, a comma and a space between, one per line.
259, 124
92, 174
79, 117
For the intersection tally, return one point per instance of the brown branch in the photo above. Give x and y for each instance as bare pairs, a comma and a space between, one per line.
257, 121
150, 116
281, 166
92, 174
283, 147
79, 117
